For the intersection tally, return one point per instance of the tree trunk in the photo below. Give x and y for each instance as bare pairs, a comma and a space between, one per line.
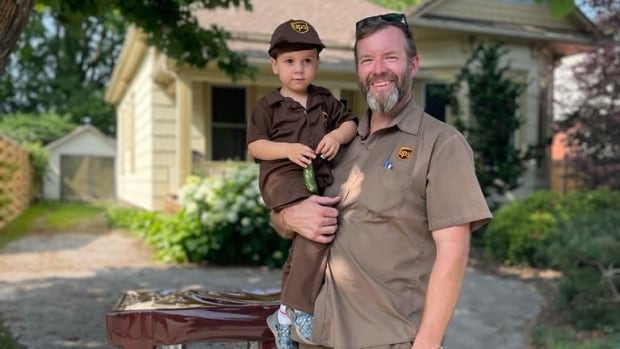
14, 15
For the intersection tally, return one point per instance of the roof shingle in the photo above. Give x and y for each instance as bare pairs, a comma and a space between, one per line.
333, 19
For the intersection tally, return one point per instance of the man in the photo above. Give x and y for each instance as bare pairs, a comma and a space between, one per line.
409, 201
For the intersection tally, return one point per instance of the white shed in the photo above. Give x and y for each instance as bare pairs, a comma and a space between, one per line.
81, 166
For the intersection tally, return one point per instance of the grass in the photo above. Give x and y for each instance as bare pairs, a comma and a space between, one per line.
6, 339
51, 217
47, 217
565, 337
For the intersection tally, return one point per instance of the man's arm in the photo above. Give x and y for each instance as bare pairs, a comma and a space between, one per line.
314, 218
444, 285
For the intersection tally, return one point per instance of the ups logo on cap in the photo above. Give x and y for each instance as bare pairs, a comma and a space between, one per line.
404, 152
300, 26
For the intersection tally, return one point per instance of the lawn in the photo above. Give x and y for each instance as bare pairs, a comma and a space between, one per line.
6, 339
49, 218
54, 217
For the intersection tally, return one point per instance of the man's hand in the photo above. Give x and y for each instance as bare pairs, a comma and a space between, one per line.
314, 218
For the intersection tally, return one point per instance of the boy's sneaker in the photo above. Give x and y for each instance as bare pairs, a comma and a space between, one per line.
302, 323
282, 333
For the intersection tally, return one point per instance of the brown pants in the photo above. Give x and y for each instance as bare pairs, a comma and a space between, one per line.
303, 273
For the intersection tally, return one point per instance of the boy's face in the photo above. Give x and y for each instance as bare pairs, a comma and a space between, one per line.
296, 69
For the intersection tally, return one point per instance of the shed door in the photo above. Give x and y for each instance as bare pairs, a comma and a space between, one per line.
86, 178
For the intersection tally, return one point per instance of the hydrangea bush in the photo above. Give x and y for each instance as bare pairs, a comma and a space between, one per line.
231, 220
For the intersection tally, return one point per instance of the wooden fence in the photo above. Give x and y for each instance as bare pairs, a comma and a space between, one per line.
15, 180
564, 177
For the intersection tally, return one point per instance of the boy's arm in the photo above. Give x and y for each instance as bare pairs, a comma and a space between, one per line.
298, 153
330, 144
345, 132
264, 149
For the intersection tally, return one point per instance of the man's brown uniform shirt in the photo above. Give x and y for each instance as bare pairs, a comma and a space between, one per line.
397, 186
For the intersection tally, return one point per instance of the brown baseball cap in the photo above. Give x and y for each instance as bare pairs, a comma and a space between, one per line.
295, 33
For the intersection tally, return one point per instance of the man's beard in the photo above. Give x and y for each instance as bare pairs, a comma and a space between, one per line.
385, 102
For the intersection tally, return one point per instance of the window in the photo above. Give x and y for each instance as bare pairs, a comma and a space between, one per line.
228, 127
434, 104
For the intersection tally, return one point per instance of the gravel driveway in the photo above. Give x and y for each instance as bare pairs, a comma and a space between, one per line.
55, 291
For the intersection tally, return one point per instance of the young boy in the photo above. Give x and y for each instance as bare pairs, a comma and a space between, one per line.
295, 128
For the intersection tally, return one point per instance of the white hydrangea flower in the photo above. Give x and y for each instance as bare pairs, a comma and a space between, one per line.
245, 221
205, 217
250, 204
235, 207
241, 200
232, 217
186, 192
219, 205
200, 193
191, 207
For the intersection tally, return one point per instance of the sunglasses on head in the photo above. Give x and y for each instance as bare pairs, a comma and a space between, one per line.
396, 18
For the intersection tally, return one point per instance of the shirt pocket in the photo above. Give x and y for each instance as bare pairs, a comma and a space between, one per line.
384, 189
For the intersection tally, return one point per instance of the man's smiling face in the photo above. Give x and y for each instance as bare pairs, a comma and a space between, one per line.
385, 74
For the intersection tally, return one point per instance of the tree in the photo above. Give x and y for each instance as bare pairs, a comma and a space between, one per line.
42, 129
593, 129
63, 67
169, 25
13, 19
493, 111
65, 57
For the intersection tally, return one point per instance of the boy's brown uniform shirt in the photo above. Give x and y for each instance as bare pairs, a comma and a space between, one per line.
281, 119
397, 186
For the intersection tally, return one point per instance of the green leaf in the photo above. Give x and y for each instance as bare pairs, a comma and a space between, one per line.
561, 8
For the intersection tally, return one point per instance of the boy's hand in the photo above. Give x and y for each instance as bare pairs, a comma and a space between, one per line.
300, 154
328, 147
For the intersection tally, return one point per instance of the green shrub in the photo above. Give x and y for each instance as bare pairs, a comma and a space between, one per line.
38, 155
233, 219
163, 232
521, 232
41, 128
588, 255
565, 337
135, 220
223, 220
518, 229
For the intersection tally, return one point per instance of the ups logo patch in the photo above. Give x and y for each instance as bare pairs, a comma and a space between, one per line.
300, 26
404, 152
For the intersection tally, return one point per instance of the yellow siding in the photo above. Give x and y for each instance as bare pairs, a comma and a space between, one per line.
509, 11
199, 141
133, 185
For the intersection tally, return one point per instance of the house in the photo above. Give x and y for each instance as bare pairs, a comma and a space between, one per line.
81, 166
171, 116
